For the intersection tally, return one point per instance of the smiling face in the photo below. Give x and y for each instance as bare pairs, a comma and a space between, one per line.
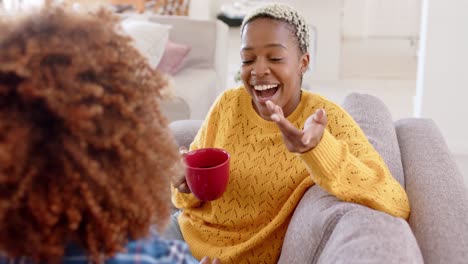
272, 65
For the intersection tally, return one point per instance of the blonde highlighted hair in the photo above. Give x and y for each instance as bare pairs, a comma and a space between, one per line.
287, 14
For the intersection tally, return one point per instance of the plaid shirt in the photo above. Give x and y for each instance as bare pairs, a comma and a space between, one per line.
148, 251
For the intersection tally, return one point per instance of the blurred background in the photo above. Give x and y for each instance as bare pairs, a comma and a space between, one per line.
412, 54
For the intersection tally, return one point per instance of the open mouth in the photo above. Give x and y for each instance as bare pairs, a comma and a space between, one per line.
265, 92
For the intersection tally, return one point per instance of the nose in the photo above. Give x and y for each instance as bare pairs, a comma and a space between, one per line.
260, 68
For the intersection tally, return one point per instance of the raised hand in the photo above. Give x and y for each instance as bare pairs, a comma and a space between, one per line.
179, 181
299, 141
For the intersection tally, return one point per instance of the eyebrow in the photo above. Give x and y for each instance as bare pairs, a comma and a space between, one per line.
272, 45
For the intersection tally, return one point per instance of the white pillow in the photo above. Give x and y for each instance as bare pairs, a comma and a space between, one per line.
149, 38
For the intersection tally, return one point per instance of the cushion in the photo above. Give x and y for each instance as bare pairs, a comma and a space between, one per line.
375, 120
324, 229
173, 57
310, 226
363, 235
150, 38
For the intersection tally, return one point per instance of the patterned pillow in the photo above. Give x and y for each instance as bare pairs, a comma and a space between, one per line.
173, 58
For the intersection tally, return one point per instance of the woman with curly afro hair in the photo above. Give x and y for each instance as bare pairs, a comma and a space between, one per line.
85, 155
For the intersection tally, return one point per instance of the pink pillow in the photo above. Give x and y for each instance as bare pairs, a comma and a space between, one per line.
173, 57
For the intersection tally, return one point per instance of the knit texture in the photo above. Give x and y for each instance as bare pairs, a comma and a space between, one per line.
248, 223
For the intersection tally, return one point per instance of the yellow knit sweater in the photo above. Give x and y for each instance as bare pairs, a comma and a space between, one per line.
248, 223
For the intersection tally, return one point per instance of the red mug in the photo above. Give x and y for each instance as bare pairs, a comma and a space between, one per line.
207, 172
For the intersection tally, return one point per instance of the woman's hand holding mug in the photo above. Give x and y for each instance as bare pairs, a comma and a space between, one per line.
179, 182
206, 173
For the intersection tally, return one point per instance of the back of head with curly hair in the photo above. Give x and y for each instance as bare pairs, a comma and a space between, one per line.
85, 154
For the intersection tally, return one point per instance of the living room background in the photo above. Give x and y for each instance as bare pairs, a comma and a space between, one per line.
409, 53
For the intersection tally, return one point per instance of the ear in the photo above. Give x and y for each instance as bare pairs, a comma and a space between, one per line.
304, 62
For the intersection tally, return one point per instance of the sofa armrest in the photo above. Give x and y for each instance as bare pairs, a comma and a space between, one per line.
436, 190
204, 71
184, 131
208, 40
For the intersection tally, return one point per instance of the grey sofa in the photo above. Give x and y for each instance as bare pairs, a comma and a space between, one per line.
416, 153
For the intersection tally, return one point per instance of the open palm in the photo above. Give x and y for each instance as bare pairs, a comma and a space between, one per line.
299, 141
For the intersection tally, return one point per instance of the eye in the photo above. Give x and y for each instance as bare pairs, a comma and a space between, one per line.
247, 57
245, 62
276, 59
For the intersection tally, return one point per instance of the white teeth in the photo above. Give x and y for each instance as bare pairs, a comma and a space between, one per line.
264, 87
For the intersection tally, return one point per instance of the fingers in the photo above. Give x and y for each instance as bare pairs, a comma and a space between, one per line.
277, 116
308, 131
207, 260
320, 116
297, 140
314, 128
179, 182
183, 188
183, 150
276, 111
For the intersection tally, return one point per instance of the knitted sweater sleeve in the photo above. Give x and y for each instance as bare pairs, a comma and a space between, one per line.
204, 138
346, 165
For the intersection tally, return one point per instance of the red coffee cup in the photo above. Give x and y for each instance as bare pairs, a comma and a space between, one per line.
207, 172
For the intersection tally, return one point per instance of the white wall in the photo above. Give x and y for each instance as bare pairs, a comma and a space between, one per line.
358, 39
198, 9
381, 18
380, 39
325, 16
442, 92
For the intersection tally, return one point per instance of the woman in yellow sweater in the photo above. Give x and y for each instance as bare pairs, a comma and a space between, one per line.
282, 140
